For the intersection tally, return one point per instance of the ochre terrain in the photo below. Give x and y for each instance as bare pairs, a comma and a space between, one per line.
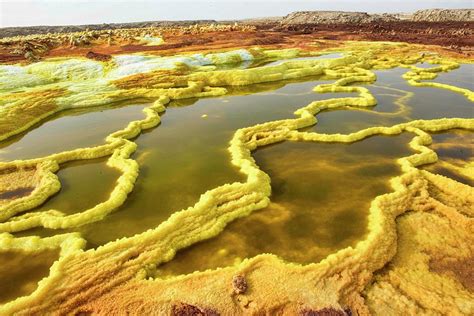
451, 37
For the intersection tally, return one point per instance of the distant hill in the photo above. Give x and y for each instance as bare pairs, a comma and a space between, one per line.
295, 18
443, 15
28, 30
341, 17
326, 17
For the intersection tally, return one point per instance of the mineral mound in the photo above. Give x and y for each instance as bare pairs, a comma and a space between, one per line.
443, 15
341, 17
326, 17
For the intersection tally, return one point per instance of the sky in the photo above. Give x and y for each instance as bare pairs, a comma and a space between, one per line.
74, 12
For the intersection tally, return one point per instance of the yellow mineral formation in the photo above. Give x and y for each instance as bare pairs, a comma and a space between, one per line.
415, 258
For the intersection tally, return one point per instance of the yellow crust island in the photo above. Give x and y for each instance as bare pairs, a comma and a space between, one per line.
416, 257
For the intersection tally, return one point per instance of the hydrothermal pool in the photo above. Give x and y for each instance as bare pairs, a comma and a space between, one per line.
397, 102
21, 271
188, 150
69, 130
228, 166
461, 77
455, 155
311, 215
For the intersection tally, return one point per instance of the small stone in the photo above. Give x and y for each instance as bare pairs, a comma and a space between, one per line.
239, 284
97, 56
183, 309
324, 312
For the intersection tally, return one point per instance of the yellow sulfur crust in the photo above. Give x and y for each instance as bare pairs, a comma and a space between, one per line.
113, 279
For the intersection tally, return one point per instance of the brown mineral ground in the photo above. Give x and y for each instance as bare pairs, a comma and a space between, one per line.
455, 37
17, 183
21, 271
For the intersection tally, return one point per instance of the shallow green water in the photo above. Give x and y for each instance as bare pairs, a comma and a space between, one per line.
462, 77
69, 130
20, 272
313, 213
425, 103
425, 65
455, 147
187, 154
78, 192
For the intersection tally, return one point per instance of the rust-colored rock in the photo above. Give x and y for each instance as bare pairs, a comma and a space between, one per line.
183, 309
239, 284
97, 56
326, 312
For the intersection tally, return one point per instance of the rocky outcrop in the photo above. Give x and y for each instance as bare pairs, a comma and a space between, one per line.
326, 17
442, 15
341, 17
388, 17
260, 21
